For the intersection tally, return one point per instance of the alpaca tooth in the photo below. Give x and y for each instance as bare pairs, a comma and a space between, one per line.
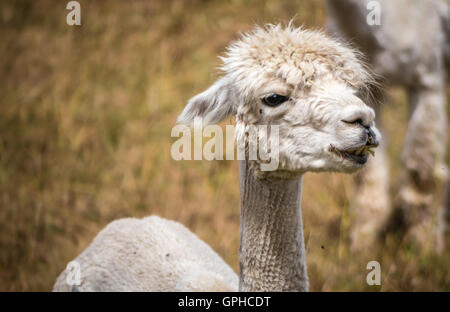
372, 152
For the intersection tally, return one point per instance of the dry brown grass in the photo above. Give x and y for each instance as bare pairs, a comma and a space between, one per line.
85, 120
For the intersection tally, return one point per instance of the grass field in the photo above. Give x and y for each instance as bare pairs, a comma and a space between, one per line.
85, 119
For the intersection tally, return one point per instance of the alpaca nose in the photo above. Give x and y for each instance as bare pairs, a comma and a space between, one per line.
358, 114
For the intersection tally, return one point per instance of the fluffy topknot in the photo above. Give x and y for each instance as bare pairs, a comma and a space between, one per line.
295, 55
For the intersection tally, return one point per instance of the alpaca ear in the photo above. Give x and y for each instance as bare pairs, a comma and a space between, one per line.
212, 105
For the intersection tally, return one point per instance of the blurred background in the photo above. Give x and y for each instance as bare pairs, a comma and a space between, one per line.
85, 119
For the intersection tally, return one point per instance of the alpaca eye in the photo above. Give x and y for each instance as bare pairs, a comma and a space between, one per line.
274, 99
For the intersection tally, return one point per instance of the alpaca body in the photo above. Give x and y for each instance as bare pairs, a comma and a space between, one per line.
150, 254
408, 48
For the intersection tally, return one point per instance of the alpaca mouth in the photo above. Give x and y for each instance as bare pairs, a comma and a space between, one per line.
358, 155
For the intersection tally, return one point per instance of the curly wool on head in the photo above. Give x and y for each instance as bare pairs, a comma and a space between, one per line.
296, 55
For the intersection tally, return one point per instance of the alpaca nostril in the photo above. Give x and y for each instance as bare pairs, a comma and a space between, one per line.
357, 121
354, 121
371, 137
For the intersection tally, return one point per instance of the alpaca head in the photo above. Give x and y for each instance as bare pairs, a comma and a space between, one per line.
306, 83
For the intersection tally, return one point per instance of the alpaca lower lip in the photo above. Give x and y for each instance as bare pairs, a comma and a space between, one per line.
358, 155
360, 159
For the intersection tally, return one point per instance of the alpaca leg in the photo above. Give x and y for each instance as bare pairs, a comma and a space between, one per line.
423, 156
371, 204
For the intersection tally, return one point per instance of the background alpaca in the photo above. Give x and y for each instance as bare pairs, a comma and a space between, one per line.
299, 80
408, 48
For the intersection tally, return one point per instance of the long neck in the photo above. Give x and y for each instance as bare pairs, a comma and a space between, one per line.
272, 251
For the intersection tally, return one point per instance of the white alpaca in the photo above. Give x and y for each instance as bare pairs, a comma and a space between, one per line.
308, 85
150, 254
409, 47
